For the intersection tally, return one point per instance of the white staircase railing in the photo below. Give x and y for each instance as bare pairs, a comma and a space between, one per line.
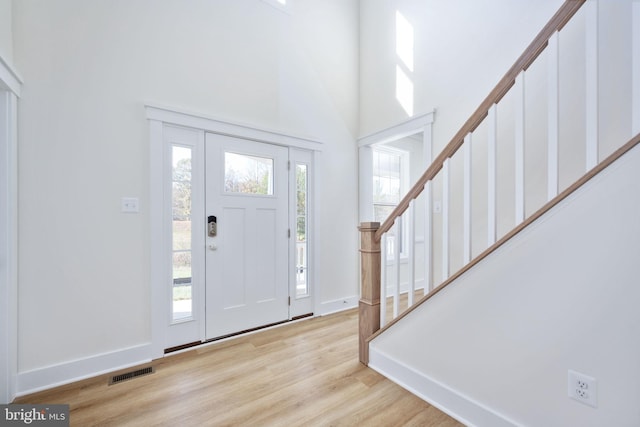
487, 183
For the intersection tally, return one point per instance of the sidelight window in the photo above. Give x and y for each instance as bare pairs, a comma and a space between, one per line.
302, 226
181, 233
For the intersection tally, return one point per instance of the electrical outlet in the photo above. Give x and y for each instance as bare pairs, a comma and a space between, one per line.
583, 388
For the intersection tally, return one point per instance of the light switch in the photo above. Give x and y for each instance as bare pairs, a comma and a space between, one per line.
130, 205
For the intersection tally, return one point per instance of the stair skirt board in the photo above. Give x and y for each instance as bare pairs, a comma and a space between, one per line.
446, 399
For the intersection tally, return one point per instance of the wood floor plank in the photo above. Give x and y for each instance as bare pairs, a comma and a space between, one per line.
304, 373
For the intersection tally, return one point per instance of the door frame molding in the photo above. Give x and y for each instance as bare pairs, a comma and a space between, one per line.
159, 117
10, 89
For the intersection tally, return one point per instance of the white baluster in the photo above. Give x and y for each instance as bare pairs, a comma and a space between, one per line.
591, 94
428, 239
411, 265
445, 219
396, 261
553, 111
383, 280
466, 255
492, 217
427, 156
519, 147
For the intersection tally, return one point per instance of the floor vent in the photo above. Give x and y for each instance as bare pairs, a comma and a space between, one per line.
131, 375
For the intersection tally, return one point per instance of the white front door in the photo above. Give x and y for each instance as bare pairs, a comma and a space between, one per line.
247, 280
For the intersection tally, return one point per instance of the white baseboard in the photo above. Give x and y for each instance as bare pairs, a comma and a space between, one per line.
338, 305
441, 396
76, 370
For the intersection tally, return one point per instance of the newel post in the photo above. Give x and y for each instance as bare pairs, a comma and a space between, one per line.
369, 307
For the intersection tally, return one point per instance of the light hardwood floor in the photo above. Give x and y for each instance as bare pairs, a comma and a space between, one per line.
304, 373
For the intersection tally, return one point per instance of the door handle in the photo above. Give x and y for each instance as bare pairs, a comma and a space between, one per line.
212, 226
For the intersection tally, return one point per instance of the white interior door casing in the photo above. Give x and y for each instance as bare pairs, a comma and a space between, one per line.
247, 261
8, 241
169, 129
5, 228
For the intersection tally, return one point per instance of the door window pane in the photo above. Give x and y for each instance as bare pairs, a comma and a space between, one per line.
181, 233
248, 174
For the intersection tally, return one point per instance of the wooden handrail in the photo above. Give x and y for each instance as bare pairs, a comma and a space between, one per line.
557, 22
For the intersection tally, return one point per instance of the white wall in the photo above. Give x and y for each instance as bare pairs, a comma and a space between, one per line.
462, 48
562, 295
89, 68
6, 37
